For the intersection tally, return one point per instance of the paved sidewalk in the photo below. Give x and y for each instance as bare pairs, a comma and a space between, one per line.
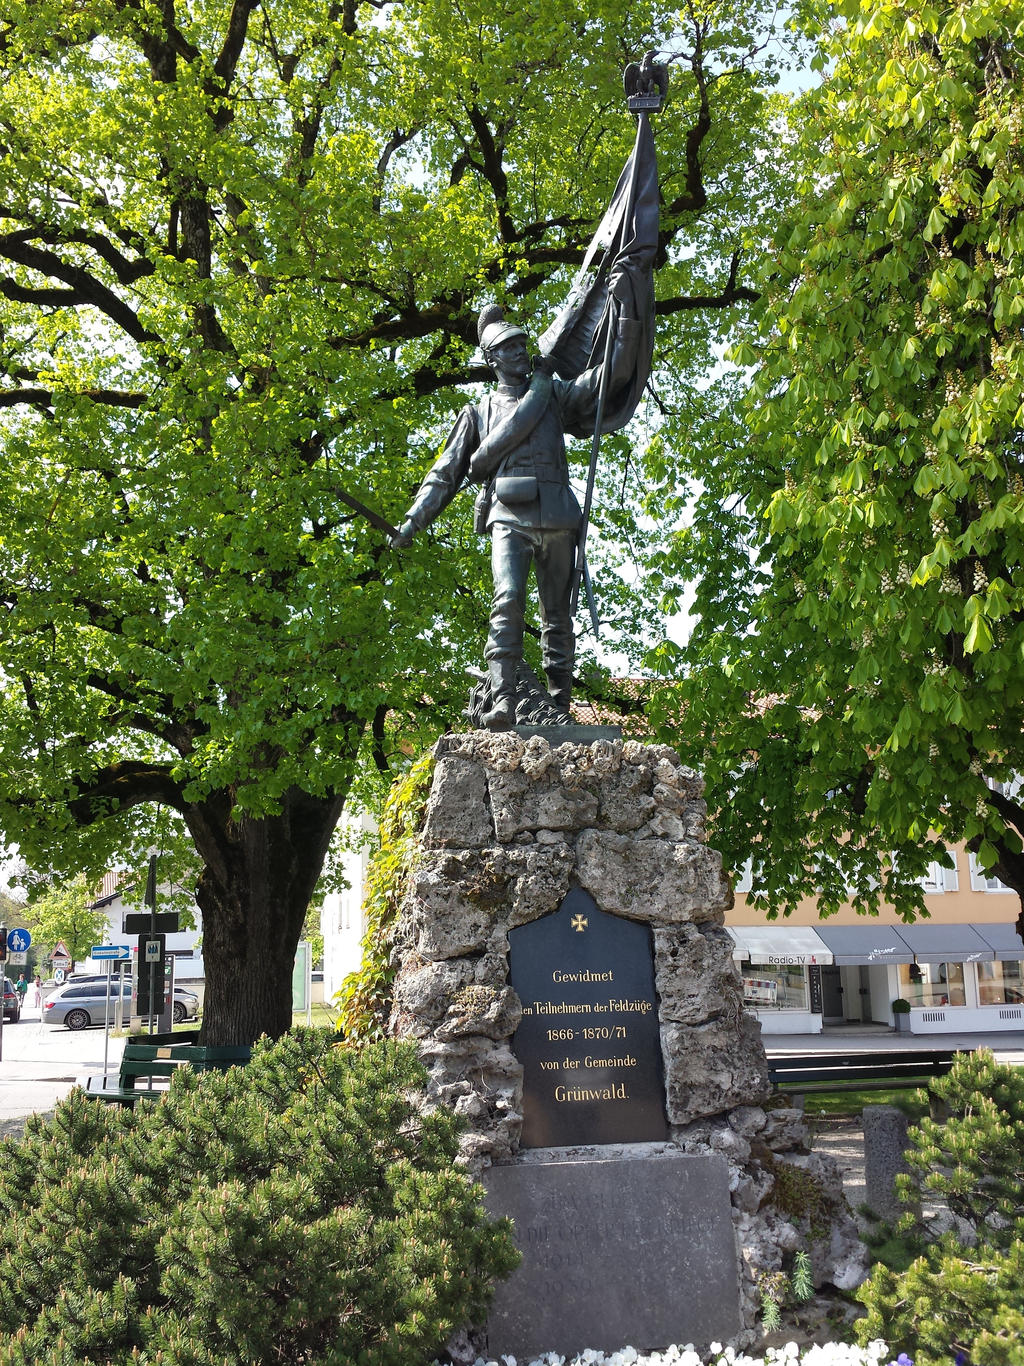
1008, 1045
40, 1064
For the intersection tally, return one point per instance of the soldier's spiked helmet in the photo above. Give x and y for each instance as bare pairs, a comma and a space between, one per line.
493, 328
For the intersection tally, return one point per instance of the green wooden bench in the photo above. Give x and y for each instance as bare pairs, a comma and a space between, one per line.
150, 1060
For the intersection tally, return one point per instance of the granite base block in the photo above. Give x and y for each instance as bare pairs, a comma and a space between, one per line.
634, 1252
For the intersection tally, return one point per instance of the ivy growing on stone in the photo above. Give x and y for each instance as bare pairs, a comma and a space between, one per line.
365, 996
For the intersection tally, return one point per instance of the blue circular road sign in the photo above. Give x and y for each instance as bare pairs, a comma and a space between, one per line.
18, 940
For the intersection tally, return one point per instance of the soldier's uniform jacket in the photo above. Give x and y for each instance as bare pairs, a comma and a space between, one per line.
540, 455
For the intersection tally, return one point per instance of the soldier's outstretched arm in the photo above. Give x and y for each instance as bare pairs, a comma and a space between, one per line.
444, 479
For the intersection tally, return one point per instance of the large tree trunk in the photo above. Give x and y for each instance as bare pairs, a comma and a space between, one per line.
256, 884
1010, 866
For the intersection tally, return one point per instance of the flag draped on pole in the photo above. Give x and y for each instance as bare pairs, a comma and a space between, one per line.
622, 250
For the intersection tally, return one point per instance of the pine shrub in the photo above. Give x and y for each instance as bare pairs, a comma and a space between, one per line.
962, 1299
952, 1304
972, 1158
298, 1211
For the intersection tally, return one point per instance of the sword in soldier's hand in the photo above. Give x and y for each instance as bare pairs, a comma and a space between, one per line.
584, 333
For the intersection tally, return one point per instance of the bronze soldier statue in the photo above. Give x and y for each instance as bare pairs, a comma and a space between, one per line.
594, 364
514, 444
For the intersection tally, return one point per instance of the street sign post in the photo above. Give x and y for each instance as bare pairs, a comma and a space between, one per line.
119, 953
150, 984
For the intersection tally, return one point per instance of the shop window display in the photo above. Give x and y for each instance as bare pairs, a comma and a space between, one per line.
1001, 984
774, 988
933, 984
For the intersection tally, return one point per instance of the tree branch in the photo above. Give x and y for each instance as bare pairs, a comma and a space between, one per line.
491, 148
83, 288
234, 40
122, 786
115, 398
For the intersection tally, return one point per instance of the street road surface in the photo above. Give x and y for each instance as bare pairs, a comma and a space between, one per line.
41, 1064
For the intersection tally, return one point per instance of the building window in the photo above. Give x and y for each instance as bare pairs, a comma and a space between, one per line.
744, 878
981, 883
939, 879
1001, 984
774, 988
933, 984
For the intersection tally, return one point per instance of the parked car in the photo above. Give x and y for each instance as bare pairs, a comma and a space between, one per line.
81, 1003
12, 1002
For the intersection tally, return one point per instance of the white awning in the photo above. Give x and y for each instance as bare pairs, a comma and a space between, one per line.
778, 945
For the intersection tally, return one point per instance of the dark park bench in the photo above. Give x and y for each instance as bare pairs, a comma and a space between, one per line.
800, 1073
150, 1060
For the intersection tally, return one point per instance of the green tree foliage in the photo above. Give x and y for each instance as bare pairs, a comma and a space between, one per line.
962, 1296
65, 913
242, 252
856, 673
300, 1209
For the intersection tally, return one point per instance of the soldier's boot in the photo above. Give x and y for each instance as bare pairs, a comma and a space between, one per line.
560, 688
501, 714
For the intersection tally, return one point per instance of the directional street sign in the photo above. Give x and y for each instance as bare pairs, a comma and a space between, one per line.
18, 940
118, 952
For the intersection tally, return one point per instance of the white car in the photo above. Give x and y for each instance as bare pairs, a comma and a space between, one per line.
82, 1000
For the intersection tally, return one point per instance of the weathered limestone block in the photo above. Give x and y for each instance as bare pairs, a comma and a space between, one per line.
483, 1081
499, 751
695, 976
455, 899
423, 994
520, 804
662, 882
626, 799
457, 812
588, 764
475, 1010
711, 1068
446, 999
539, 880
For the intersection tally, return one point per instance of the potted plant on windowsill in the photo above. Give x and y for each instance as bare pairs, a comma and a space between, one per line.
901, 1015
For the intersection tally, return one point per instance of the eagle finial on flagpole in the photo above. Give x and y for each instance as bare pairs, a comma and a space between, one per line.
646, 84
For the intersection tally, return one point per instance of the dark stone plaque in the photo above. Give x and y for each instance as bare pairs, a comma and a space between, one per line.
637, 1251
589, 1041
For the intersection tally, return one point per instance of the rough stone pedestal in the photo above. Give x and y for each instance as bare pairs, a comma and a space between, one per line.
512, 826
